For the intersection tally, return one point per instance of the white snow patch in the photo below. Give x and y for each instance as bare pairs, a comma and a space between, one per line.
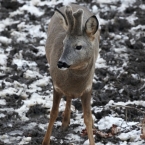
31, 125
35, 2
2, 102
133, 135
41, 50
138, 27
32, 10
25, 140
29, 74
7, 22
142, 6
43, 126
20, 63
66, 2
108, 121
22, 112
3, 59
100, 63
120, 50
5, 40
95, 9
139, 103
19, 36
105, 1
9, 139
42, 82
73, 137
2, 115
34, 30
8, 91
131, 18
135, 76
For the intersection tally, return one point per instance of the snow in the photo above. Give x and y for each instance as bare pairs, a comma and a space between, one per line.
25, 140
3, 59
19, 36
94, 9
105, 1
32, 9
2, 115
5, 40
29, 74
132, 136
66, 2
2, 102
106, 122
112, 103
100, 63
142, 6
32, 93
20, 63
7, 22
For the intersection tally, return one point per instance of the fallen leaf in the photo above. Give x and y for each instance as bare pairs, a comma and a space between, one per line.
113, 131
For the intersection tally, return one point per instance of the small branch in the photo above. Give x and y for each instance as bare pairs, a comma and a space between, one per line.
129, 107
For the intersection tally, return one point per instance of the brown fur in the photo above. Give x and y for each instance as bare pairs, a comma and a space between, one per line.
75, 81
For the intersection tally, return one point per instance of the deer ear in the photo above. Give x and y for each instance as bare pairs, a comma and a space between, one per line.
91, 26
62, 18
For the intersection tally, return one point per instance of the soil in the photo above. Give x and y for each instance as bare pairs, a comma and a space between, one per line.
133, 88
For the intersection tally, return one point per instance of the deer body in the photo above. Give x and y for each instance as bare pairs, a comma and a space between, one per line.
71, 49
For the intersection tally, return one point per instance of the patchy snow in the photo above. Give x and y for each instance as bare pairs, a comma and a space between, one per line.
3, 59
29, 74
100, 63
30, 87
20, 63
112, 103
31, 9
5, 40
7, 22
25, 140
2, 102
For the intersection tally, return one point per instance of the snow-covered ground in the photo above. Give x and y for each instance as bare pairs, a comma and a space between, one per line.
118, 95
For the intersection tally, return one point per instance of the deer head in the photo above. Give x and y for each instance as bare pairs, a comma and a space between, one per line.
78, 43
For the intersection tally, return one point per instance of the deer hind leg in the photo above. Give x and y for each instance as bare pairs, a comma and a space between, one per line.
66, 116
86, 105
53, 115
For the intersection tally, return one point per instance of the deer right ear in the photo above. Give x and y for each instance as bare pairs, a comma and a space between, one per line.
62, 18
91, 26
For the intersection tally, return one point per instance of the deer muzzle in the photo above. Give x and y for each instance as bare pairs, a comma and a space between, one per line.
62, 65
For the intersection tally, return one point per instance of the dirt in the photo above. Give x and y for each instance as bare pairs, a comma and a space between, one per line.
133, 88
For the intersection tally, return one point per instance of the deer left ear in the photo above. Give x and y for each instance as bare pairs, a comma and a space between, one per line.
91, 26
62, 18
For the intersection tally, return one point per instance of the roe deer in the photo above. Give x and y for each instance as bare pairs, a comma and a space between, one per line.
71, 49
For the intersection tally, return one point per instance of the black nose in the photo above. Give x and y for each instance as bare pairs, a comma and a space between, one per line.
61, 64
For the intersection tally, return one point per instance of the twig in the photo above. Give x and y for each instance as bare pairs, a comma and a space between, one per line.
114, 106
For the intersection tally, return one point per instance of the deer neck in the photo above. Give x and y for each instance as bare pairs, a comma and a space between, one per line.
82, 70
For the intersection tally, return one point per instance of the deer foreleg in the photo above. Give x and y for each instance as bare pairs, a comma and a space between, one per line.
86, 103
66, 116
53, 115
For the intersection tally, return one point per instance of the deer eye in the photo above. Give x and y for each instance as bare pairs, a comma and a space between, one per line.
79, 47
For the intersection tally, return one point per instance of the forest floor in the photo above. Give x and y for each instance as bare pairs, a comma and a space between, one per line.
118, 97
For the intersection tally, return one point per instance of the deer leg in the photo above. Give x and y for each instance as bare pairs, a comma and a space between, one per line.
66, 116
53, 115
88, 120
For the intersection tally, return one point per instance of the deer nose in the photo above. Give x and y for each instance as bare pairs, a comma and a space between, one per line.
62, 65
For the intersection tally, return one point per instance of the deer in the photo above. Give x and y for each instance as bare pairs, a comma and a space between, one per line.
72, 48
